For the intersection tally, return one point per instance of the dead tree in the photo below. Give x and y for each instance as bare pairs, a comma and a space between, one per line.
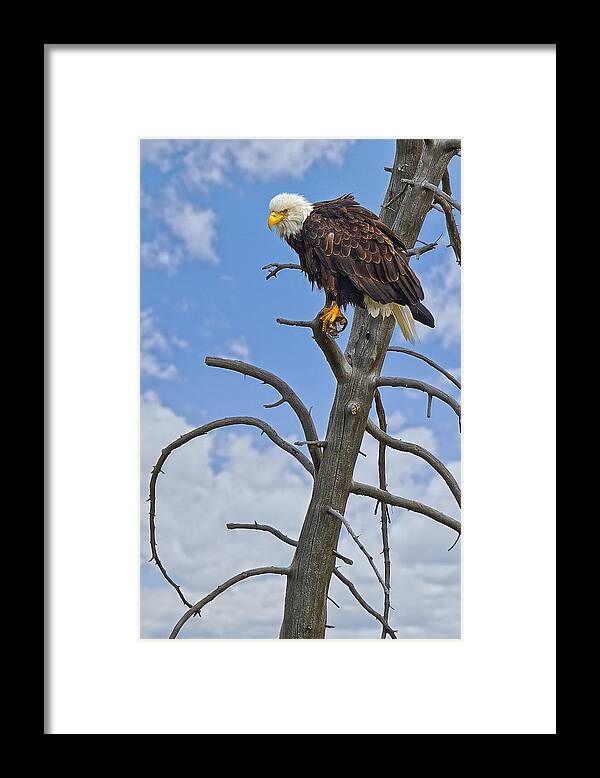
420, 166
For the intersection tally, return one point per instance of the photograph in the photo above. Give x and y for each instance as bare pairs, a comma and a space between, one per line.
300, 429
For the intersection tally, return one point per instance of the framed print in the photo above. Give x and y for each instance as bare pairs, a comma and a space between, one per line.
298, 301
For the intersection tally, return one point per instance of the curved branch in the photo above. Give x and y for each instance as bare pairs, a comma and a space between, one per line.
364, 603
280, 535
366, 490
333, 354
278, 266
220, 589
429, 361
155, 558
181, 441
430, 391
276, 404
419, 451
286, 392
355, 538
385, 512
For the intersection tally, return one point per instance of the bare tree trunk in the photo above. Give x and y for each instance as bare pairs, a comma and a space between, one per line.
405, 207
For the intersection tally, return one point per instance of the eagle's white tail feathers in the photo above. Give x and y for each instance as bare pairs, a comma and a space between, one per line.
405, 320
401, 313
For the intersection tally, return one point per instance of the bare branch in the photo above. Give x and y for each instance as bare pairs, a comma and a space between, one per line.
155, 557
278, 266
319, 443
286, 392
223, 587
453, 233
196, 433
439, 193
429, 361
366, 490
356, 539
281, 536
419, 451
295, 323
333, 354
385, 513
364, 603
416, 251
430, 391
276, 404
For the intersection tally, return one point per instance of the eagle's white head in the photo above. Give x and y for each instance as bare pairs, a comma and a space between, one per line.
287, 213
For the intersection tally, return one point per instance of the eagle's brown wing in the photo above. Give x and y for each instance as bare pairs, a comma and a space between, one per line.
349, 240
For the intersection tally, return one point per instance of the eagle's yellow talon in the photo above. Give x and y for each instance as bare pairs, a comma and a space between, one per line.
333, 320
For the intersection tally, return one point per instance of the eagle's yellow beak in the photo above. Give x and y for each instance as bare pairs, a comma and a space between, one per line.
274, 218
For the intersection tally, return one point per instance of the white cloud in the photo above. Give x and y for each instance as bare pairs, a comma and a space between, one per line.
154, 347
442, 289
206, 163
159, 153
239, 348
156, 253
179, 342
233, 476
395, 421
195, 227
270, 158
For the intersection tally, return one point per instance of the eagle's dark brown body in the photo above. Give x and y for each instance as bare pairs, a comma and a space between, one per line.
347, 251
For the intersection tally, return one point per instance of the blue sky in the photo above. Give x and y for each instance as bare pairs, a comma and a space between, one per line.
204, 240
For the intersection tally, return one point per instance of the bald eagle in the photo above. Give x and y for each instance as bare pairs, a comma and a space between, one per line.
347, 251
